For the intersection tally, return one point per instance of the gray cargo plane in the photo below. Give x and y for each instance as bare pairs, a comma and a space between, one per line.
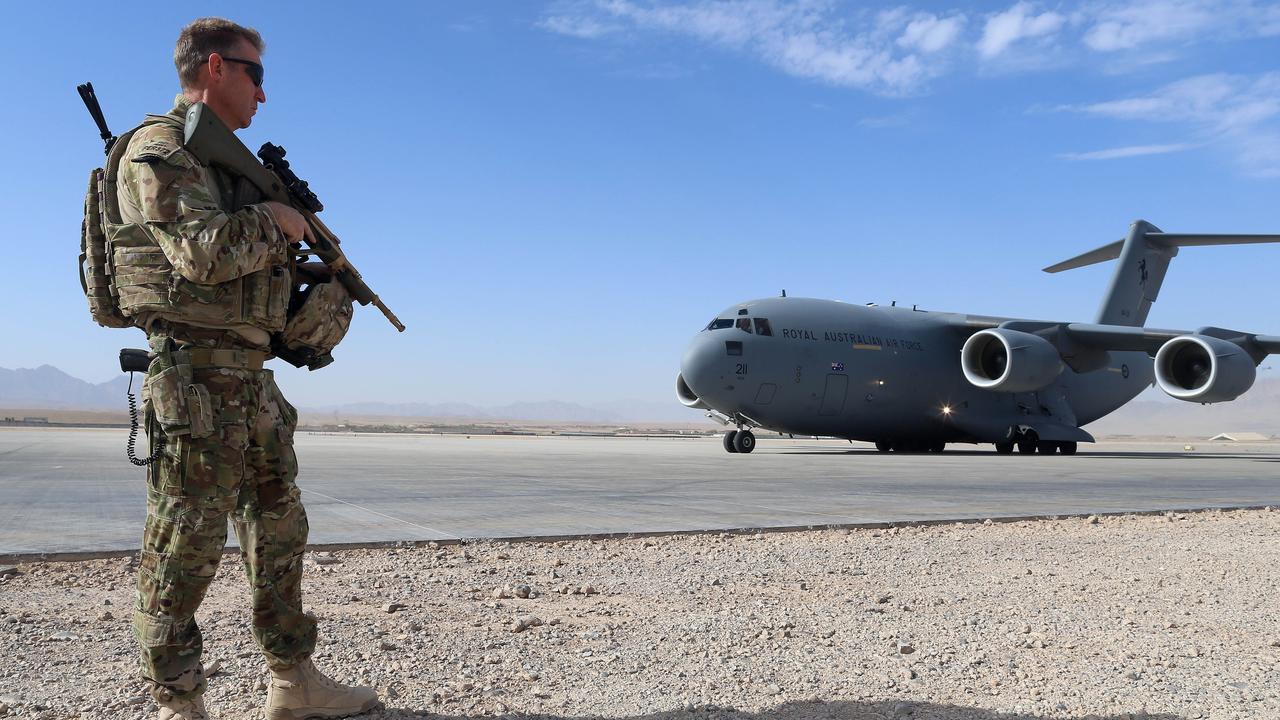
912, 380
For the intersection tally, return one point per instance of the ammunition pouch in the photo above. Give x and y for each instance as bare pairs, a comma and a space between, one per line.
320, 317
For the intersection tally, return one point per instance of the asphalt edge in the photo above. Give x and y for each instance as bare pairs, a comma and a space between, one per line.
20, 558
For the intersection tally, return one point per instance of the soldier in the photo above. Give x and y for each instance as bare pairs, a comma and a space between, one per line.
209, 282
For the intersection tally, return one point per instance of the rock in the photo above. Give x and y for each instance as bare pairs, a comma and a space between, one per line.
8, 571
63, 636
394, 607
522, 591
525, 622
105, 617
772, 689
905, 649
384, 645
212, 668
324, 558
1094, 520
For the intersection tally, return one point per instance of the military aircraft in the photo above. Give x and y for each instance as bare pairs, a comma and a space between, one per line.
914, 380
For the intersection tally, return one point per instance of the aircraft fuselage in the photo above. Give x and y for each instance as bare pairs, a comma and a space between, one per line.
875, 373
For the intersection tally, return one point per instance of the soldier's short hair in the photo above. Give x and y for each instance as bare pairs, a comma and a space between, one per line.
208, 35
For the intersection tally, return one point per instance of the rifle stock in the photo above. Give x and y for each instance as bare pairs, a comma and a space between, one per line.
213, 144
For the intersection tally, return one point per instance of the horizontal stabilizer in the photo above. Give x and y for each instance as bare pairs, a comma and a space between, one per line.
1102, 254
1162, 240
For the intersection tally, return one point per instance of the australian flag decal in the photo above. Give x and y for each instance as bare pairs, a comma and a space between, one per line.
837, 367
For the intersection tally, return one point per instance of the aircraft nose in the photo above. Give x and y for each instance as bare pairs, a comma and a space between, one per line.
697, 371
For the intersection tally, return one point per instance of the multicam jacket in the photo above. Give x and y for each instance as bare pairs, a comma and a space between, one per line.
182, 249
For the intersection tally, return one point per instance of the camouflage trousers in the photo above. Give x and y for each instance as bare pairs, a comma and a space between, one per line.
236, 462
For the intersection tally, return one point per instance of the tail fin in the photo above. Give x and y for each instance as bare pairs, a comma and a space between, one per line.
1144, 257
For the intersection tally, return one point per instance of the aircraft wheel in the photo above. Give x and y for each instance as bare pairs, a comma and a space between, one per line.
884, 446
1027, 447
1067, 448
1004, 448
729, 441
1047, 448
937, 446
745, 442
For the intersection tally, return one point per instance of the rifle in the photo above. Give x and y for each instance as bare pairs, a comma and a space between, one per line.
209, 140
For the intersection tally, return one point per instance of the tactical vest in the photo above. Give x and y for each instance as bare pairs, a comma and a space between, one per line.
129, 281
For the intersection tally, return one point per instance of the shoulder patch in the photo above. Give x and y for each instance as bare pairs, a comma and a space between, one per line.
156, 143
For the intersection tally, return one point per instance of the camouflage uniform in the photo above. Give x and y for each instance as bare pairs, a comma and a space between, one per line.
228, 431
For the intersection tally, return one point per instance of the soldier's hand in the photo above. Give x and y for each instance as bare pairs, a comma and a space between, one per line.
291, 222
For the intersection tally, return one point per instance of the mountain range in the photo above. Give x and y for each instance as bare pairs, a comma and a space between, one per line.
48, 387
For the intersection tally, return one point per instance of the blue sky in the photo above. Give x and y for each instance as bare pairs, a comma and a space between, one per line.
555, 196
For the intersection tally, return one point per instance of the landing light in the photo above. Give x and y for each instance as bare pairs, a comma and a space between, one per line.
946, 409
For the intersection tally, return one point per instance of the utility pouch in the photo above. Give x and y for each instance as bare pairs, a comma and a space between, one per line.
200, 411
180, 406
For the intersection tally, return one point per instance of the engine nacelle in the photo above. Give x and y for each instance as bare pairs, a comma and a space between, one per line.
1009, 361
1203, 369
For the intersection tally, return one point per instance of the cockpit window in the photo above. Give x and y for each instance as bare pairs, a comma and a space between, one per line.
762, 327
744, 324
720, 324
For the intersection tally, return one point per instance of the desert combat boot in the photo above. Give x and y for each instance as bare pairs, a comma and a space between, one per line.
303, 692
190, 709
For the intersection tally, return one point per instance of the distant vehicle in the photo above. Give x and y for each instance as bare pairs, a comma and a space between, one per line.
913, 380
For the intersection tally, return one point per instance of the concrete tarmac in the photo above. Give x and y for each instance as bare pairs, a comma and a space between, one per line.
72, 490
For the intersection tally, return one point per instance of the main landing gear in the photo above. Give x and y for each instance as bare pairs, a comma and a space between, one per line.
739, 441
1028, 443
911, 446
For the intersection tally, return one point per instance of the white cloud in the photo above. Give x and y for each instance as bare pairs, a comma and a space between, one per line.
1019, 22
1239, 113
1125, 25
1127, 152
930, 33
893, 52
579, 27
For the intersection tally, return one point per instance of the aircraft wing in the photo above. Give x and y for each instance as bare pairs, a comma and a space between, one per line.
1150, 340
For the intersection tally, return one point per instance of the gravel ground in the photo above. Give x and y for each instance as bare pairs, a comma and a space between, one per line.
1165, 617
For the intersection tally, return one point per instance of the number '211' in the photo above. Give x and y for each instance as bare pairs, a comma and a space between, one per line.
740, 369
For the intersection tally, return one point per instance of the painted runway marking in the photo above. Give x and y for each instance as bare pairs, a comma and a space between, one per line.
383, 515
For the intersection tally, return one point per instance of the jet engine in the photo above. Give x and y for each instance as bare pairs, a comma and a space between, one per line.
1203, 369
687, 396
1009, 361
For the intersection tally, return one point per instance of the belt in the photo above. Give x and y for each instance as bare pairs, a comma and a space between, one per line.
226, 358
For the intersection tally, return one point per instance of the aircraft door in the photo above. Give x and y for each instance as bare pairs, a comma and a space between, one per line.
834, 395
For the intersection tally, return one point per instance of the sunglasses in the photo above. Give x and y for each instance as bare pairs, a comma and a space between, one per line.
254, 70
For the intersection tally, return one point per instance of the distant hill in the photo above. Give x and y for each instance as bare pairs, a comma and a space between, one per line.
49, 387
1257, 411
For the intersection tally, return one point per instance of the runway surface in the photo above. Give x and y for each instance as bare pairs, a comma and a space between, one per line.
65, 490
